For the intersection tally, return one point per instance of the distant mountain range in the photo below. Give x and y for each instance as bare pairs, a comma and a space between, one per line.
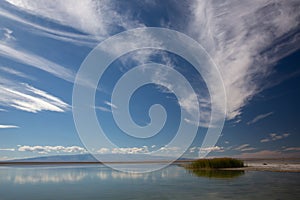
102, 157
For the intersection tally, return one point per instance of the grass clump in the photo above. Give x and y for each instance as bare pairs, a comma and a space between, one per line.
216, 163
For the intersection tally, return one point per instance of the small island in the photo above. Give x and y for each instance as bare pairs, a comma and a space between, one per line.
215, 163
216, 167
233, 164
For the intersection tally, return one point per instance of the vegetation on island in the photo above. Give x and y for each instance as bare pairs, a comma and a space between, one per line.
215, 163
215, 167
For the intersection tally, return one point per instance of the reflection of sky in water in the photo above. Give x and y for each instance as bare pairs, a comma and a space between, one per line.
96, 182
55, 174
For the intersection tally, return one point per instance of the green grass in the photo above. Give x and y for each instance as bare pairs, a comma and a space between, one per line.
215, 163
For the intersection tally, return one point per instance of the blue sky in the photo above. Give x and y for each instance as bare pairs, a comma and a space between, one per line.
254, 44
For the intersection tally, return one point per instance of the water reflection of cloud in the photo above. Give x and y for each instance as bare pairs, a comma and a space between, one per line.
41, 175
56, 174
48, 178
164, 173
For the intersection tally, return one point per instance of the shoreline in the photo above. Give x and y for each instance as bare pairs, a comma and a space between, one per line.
3, 163
263, 169
270, 165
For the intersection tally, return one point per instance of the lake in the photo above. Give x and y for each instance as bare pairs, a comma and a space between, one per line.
173, 182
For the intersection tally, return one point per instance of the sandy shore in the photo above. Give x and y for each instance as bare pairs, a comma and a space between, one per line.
273, 165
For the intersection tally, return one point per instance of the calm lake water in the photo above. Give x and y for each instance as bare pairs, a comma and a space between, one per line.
99, 182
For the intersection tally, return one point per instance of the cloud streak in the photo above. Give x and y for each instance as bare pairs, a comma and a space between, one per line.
274, 137
292, 149
15, 72
244, 147
260, 117
245, 39
2, 126
94, 20
25, 57
28, 98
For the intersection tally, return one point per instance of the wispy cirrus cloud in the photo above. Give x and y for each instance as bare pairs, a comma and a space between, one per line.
25, 57
10, 49
244, 147
110, 104
95, 20
15, 72
274, 137
292, 149
107, 107
260, 117
246, 39
2, 126
92, 21
103, 109
28, 98
75, 38
242, 38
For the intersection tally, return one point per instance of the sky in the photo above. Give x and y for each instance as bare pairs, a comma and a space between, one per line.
255, 46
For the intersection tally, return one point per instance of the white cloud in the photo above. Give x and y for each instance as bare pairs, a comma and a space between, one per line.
259, 117
15, 72
96, 19
110, 104
193, 149
292, 149
274, 137
169, 151
248, 149
6, 35
78, 39
215, 148
8, 126
7, 149
242, 147
27, 98
190, 102
36, 61
265, 140
234, 33
104, 109
49, 149
245, 39
66, 13
130, 150
103, 150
